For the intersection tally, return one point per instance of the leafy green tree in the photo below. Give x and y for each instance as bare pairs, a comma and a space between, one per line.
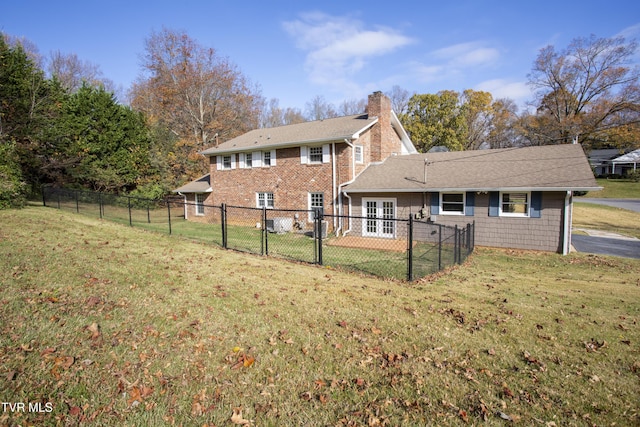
107, 144
436, 120
28, 105
12, 187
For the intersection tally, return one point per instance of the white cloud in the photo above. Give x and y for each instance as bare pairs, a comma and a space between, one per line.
519, 92
631, 32
339, 47
467, 54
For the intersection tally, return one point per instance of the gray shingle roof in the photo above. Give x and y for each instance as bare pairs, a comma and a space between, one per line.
552, 167
317, 131
200, 185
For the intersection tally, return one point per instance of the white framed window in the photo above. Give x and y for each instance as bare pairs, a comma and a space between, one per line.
264, 200
515, 204
315, 154
359, 153
452, 203
266, 158
316, 201
226, 162
248, 160
200, 204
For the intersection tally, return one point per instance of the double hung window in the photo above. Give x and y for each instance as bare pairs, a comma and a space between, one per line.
264, 200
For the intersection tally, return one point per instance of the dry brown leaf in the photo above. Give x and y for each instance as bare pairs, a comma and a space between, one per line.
248, 361
94, 328
236, 418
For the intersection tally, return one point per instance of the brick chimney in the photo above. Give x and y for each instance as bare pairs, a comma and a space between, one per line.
383, 138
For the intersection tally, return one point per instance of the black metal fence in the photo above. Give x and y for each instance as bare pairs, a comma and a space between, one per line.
396, 248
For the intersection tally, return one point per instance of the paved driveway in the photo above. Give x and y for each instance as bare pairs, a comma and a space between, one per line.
627, 248
608, 243
630, 204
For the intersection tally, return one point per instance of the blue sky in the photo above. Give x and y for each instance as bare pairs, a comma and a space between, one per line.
340, 50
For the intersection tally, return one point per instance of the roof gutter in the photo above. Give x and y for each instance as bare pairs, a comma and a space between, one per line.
458, 189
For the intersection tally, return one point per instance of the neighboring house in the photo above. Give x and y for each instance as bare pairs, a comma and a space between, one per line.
517, 197
626, 163
613, 161
366, 165
300, 166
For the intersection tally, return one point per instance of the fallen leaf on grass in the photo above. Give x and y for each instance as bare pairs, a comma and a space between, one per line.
594, 345
64, 362
237, 418
94, 328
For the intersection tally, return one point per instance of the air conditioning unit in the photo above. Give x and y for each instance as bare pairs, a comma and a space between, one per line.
279, 225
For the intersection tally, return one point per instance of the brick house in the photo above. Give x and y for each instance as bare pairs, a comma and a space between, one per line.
300, 166
517, 197
366, 166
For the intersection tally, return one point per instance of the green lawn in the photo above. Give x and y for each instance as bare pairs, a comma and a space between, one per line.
292, 246
110, 325
616, 189
606, 218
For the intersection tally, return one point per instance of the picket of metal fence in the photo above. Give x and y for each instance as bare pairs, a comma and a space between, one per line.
397, 248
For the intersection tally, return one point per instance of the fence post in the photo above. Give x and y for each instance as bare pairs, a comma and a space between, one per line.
410, 250
455, 244
264, 238
223, 219
129, 206
473, 236
439, 247
319, 214
169, 214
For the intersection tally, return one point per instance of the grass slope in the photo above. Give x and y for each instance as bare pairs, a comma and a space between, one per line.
616, 189
606, 218
113, 325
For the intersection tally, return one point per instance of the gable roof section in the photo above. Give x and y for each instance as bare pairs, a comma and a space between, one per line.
200, 185
550, 168
340, 128
632, 157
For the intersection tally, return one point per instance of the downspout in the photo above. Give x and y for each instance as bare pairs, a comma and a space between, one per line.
353, 173
568, 213
185, 204
333, 182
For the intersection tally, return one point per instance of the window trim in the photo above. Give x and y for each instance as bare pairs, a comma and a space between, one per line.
318, 155
310, 203
224, 162
199, 209
463, 204
265, 196
527, 212
358, 153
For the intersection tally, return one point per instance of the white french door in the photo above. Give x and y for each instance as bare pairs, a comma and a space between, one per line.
379, 215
